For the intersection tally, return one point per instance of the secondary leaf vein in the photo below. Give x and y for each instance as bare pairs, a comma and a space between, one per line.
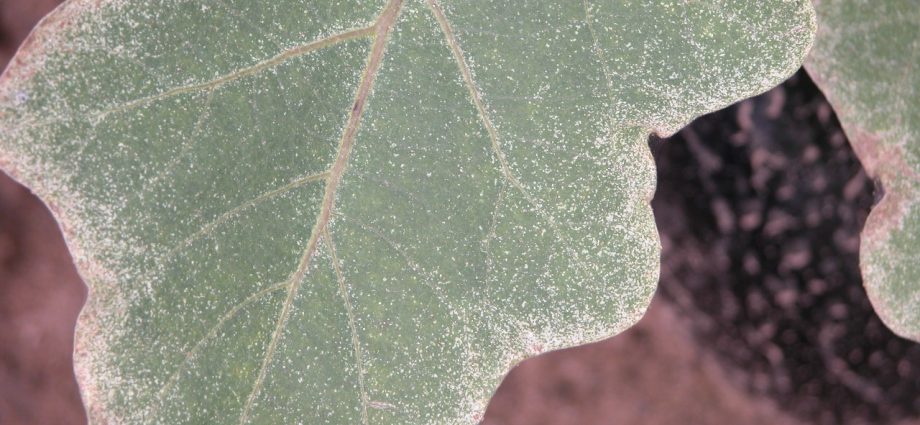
352, 326
484, 117
211, 333
216, 82
225, 217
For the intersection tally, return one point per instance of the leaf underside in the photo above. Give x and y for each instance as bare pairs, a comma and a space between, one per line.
349, 211
865, 59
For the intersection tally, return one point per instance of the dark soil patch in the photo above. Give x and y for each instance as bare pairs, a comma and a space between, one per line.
760, 208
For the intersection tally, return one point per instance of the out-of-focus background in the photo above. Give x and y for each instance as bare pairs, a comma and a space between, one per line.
760, 316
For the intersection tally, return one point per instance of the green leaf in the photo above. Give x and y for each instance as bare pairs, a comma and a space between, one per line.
349, 211
865, 59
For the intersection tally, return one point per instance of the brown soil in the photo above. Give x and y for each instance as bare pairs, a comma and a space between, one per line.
655, 373
40, 295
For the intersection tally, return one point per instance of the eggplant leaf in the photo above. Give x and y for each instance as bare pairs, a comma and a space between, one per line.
865, 59
347, 211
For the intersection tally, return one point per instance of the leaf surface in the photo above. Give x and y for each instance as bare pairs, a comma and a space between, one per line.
349, 211
865, 60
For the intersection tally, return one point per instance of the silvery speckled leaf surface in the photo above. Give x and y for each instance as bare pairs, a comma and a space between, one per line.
346, 211
865, 59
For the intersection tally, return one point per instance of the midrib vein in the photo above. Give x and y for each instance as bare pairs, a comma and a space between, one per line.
381, 30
